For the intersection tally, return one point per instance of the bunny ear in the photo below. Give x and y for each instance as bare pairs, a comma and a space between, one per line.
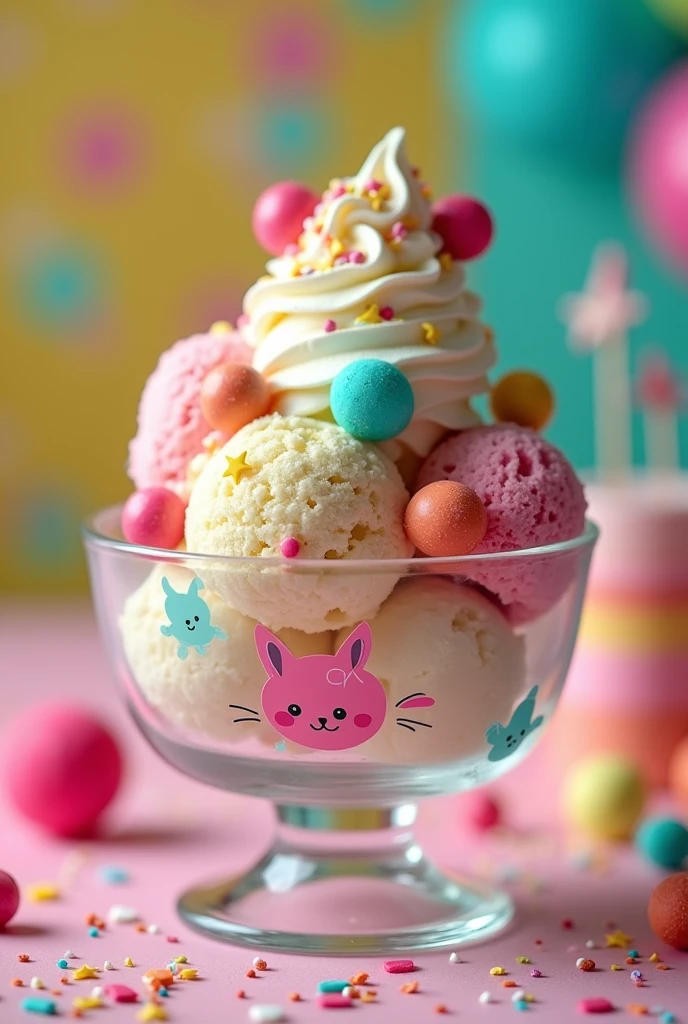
167, 587
356, 649
195, 585
271, 651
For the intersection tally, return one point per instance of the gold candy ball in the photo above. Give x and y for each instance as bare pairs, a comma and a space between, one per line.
523, 398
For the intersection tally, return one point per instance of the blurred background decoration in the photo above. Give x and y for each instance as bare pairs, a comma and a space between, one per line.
136, 137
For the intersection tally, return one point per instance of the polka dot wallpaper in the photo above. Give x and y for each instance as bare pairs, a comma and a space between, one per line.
136, 136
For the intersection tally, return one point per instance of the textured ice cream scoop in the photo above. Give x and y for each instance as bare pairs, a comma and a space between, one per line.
309, 480
194, 693
451, 666
532, 497
366, 281
171, 427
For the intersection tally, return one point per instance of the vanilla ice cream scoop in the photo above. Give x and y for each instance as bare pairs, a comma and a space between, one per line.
451, 666
309, 483
366, 281
197, 693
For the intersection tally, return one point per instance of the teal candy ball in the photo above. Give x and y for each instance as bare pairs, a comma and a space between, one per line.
663, 841
371, 400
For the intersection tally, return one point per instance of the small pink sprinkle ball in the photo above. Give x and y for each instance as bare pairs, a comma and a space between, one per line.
290, 547
279, 214
480, 810
61, 768
464, 224
9, 898
154, 517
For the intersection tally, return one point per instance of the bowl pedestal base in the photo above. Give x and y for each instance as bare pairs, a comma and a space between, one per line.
346, 881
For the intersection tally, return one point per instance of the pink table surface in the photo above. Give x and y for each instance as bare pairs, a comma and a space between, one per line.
168, 831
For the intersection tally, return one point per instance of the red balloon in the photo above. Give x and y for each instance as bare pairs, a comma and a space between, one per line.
465, 226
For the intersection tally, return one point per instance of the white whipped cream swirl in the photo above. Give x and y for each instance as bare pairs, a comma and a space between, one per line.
417, 313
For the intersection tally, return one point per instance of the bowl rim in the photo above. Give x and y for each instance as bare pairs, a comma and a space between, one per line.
95, 537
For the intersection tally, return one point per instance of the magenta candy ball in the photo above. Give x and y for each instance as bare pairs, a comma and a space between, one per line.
61, 768
9, 898
279, 214
658, 167
464, 224
480, 810
154, 517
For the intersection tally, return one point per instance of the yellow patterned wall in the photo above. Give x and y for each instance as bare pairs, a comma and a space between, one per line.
136, 135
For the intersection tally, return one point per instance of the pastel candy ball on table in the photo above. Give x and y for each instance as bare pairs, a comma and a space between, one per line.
310, 481
154, 517
445, 518
279, 213
667, 911
62, 768
194, 694
604, 797
171, 427
663, 841
9, 898
372, 400
232, 395
522, 398
532, 497
451, 666
464, 225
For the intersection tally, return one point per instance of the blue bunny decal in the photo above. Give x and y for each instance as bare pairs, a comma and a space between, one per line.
189, 617
506, 739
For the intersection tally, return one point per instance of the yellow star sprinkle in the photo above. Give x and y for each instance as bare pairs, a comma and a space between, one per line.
615, 967
655, 959
336, 247
235, 467
87, 1002
188, 974
431, 335
128, 962
181, 960
376, 203
221, 327
42, 891
446, 260
151, 1011
618, 940
371, 316
84, 972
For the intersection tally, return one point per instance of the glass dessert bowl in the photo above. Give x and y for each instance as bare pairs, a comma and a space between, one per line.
422, 686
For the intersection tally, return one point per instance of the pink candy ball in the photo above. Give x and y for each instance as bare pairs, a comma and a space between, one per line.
61, 768
657, 167
154, 517
464, 224
9, 898
480, 810
279, 214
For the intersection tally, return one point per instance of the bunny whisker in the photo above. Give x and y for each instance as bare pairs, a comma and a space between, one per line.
240, 707
404, 725
426, 725
245, 720
410, 697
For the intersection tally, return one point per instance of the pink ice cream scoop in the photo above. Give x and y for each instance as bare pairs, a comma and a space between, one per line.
532, 497
171, 426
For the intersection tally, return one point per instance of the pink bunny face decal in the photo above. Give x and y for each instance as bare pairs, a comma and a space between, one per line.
322, 701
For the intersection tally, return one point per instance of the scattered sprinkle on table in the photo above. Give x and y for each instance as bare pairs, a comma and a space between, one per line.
497, 971
590, 944
522, 960
636, 976
294, 997
62, 964
615, 967
409, 987
266, 1014
618, 940
654, 958
586, 965
333, 1001
368, 995
567, 924
121, 994
399, 966
260, 964
128, 962
598, 1004
360, 978
454, 958
112, 874
119, 914
108, 965
637, 1009
84, 972
24, 958
634, 953
93, 932
332, 986
189, 974
37, 983
151, 1011
48, 1007
42, 891
440, 1008
181, 959
351, 992
485, 997
154, 929
87, 1003
535, 973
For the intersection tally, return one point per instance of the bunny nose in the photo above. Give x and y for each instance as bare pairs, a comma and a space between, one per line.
323, 721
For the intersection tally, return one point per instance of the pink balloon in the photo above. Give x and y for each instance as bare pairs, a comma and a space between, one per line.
9, 898
464, 224
279, 214
658, 167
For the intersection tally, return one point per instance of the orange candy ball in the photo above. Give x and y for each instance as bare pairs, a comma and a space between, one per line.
232, 396
668, 910
445, 518
522, 398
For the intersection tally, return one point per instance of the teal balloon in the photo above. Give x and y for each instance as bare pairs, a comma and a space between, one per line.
557, 75
372, 400
664, 842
